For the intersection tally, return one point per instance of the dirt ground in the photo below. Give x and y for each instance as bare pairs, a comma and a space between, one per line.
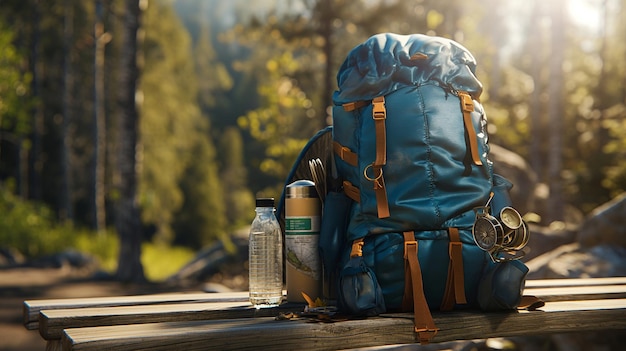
19, 284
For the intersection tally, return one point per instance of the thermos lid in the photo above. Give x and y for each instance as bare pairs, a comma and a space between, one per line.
301, 189
265, 202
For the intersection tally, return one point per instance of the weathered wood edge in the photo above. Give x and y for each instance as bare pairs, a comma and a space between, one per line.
31, 308
266, 333
542, 283
590, 292
52, 322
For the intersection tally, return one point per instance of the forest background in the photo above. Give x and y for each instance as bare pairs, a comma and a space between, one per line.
130, 124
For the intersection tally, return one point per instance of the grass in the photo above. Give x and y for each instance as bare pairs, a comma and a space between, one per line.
32, 229
161, 261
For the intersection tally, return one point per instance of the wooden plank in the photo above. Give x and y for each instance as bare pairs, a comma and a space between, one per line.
266, 333
543, 283
52, 322
31, 308
590, 292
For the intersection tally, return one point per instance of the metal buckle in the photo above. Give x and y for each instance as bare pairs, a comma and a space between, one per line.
406, 247
377, 177
378, 110
357, 249
466, 101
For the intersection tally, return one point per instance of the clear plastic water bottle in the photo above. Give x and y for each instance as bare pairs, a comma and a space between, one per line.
265, 257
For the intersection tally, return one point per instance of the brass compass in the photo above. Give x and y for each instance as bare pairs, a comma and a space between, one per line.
504, 237
487, 232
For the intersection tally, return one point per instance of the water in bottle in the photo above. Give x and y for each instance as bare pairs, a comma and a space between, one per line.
265, 256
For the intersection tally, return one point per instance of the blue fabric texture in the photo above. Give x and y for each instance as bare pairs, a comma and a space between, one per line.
384, 64
430, 184
359, 291
501, 286
384, 254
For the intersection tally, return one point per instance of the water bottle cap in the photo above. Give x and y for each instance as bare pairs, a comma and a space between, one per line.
265, 202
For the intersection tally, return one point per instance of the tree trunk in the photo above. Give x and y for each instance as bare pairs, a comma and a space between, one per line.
35, 162
326, 31
66, 208
536, 110
99, 133
127, 220
556, 114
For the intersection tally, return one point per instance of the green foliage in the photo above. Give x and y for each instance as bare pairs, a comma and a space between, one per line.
252, 77
275, 124
14, 89
238, 199
14, 86
283, 122
105, 246
161, 261
294, 57
29, 227
201, 219
508, 112
213, 77
179, 184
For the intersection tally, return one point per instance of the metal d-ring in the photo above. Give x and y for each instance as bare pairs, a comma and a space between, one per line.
371, 165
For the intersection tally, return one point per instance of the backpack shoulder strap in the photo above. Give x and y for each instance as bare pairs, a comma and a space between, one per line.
455, 285
374, 171
414, 292
467, 106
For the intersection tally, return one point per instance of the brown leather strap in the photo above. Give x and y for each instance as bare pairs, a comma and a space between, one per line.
467, 106
351, 106
455, 285
345, 154
382, 204
418, 56
379, 114
357, 248
414, 290
530, 303
351, 191
407, 298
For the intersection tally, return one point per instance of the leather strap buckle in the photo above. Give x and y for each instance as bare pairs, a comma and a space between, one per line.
357, 248
455, 245
408, 245
425, 335
351, 106
378, 110
466, 102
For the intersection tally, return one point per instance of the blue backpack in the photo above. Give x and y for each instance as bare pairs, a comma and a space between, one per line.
414, 217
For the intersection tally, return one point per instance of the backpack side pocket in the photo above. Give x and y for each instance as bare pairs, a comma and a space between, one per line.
359, 291
333, 238
502, 285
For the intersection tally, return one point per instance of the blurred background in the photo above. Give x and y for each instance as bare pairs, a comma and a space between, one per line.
138, 130
135, 134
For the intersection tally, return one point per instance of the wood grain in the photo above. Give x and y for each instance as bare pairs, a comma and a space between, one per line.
31, 308
267, 333
52, 322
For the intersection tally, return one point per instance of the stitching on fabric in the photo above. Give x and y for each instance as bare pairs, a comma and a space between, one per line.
430, 170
